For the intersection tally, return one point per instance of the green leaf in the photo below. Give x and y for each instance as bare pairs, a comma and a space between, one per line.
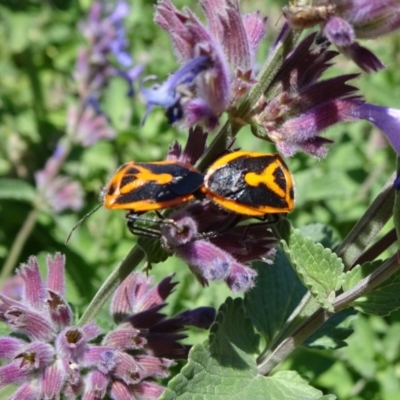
320, 270
277, 293
15, 189
320, 233
227, 369
332, 333
383, 300
358, 273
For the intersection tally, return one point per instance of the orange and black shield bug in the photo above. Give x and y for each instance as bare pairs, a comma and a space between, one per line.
248, 183
141, 187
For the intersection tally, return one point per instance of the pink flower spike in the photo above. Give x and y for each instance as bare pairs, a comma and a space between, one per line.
35, 292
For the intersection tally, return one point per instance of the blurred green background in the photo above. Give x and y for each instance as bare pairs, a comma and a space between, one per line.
38, 50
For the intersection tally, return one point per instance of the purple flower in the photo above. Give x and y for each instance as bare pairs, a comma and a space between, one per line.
58, 191
345, 21
89, 125
105, 57
171, 94
216, 255
50, 357
303, 106
230, 41
386, 119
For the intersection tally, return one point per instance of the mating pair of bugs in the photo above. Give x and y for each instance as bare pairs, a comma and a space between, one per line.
243, 182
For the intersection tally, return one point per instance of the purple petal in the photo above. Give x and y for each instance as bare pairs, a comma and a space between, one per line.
127, 369
52, 382
102, 357
201, 317
235, 40
125, 339
206, 260
255, 27
13, 373
27, 391
91, 331
153, 367
363, 57
10, 346
60, 311
71, 343
166, 94
120, 391
35, 293
96, 385
147, 391
339, 32
241, 278
167, 345
195, 146
386, 119
55, 274
198, 110
13, 287
30, 323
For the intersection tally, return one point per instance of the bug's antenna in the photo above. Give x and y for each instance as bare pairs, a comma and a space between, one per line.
80, 221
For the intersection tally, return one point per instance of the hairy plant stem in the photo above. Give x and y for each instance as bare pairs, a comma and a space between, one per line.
344, 300
128, 264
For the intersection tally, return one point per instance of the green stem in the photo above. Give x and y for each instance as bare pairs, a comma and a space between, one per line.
18, 245
266, 75
370, 224
308, 327
130, 262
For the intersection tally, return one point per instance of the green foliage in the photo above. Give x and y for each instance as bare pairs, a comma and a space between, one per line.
320, 270
276, 295
344, 357
382, 300
226, 368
